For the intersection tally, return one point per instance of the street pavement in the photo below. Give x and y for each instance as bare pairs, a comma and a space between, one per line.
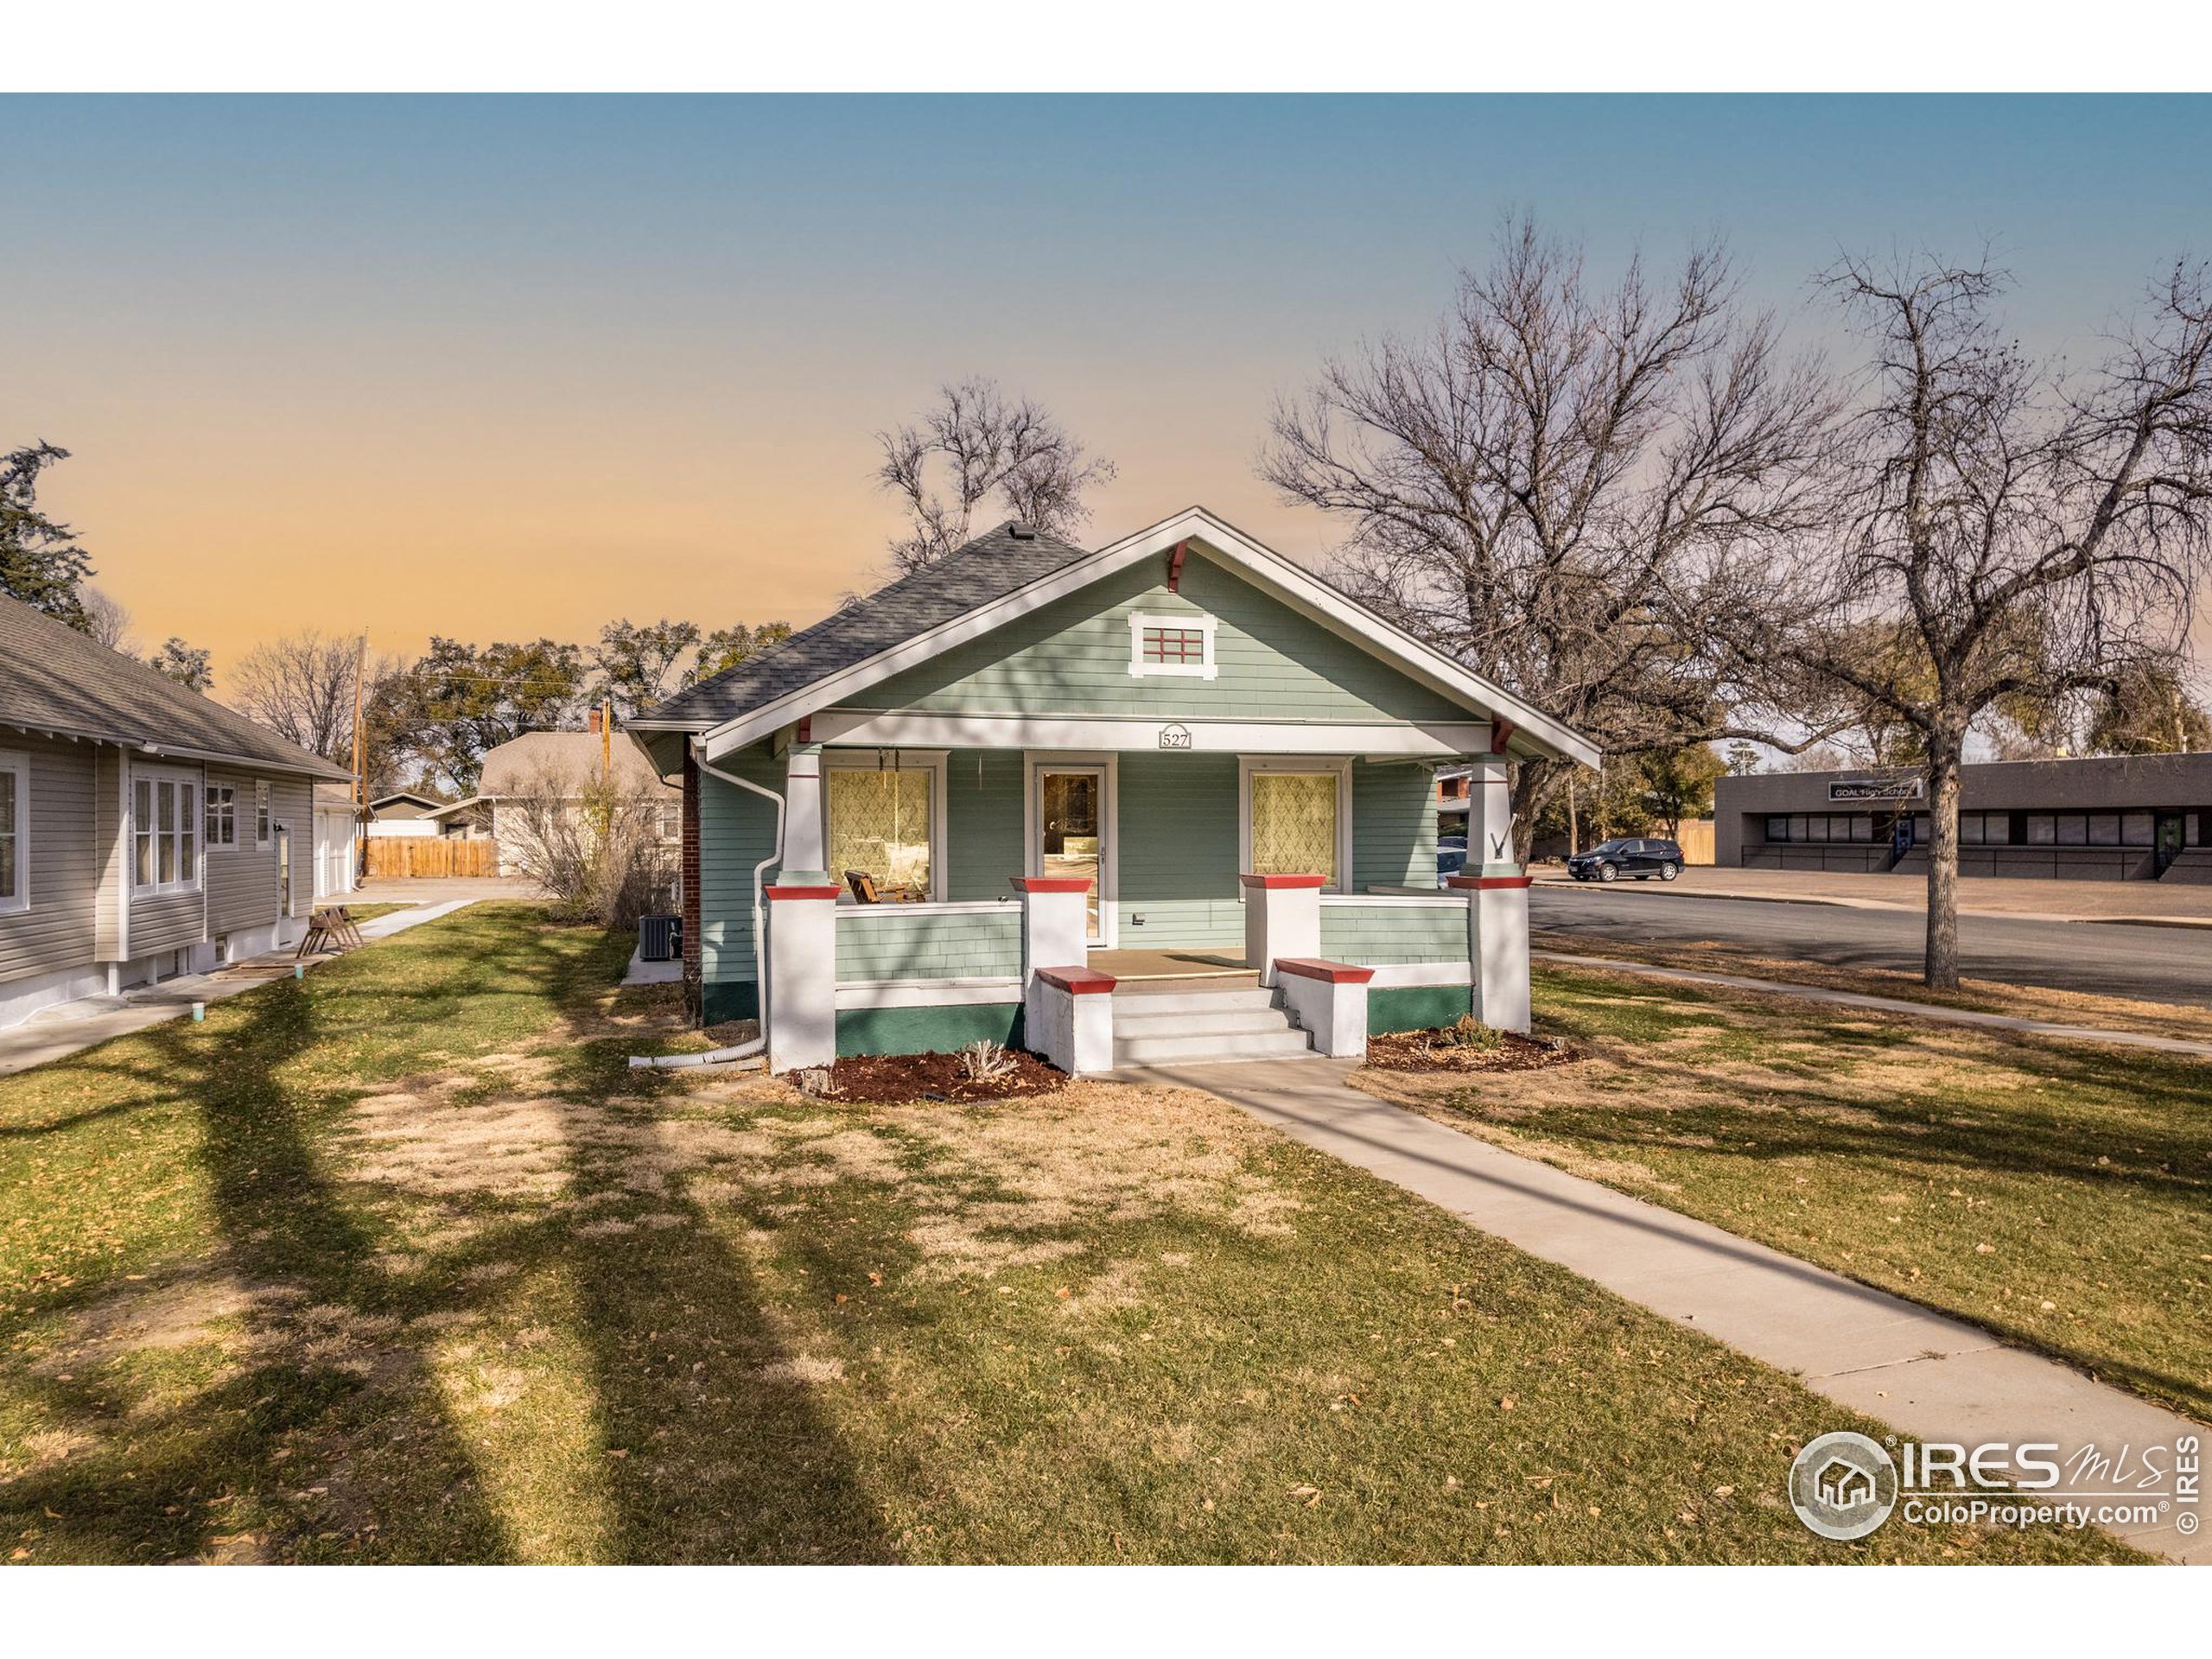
2151, 964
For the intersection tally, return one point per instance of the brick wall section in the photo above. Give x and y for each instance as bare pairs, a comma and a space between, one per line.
693, 993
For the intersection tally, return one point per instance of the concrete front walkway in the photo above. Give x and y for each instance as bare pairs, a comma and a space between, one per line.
70, 1028
1935, 1011
1933, 1378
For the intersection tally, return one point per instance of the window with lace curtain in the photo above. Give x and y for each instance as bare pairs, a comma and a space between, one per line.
881, 819
1295, 821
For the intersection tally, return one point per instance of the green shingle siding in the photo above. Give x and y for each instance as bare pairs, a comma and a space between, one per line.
1376, 936
1072, 657
883, 944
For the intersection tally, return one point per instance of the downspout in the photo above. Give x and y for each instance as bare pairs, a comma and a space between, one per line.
741, 1051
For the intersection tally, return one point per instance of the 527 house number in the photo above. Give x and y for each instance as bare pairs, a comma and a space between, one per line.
1174, 737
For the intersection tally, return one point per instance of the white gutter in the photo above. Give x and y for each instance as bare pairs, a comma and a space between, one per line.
747, 1050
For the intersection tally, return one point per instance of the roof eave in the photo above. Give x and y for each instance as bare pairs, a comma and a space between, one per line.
306, 766
1533, 727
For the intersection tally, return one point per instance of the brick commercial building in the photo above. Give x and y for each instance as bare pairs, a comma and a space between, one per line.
2143, 817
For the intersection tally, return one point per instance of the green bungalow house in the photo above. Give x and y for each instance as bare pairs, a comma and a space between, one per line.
1169, 800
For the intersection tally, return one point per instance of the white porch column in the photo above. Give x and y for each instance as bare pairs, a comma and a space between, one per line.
1282, 918
805, 849
1498, 901
1055, 933
1075, 1019
801, 1004
1490, 818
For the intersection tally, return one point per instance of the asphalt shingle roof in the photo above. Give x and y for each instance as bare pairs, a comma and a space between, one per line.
994, 564
55, 679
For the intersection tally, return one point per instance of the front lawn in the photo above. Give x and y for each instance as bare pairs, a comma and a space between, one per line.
2058, 1194
400, 1263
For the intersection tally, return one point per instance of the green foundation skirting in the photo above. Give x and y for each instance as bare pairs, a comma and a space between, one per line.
1416, 1007
922, 1031
730, 999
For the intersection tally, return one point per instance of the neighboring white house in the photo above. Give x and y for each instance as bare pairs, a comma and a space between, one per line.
145, 831
403, 812
569, 761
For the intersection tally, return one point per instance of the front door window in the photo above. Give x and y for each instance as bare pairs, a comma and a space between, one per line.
1070, 819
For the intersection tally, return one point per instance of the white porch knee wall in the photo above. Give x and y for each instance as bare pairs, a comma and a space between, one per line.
1327, 1001
1282, 918
1073, 1025
802, 1000
1055, 933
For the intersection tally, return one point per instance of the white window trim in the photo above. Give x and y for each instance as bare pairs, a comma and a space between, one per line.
18, 765
1032, 845
1339, 765
929, 761
207, 793
265, 814
157, 775
1141, 669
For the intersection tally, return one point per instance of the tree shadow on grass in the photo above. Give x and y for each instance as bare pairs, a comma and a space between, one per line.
322, 1391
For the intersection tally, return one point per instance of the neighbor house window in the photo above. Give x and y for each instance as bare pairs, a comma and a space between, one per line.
671, 823
1162, 643
881, 821
222, 816
15, 832
1298, 819
164, 832
260, 814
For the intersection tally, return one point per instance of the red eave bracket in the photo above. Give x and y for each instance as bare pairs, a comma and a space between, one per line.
1175, 565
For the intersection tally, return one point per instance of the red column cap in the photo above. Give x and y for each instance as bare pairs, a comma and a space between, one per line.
1480, 881
1078, 982
831, 893
1336, 973
1051, 883
1273, 882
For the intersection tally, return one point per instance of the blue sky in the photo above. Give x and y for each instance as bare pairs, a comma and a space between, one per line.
609, 354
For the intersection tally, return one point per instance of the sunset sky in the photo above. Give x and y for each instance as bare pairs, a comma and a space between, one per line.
504, 367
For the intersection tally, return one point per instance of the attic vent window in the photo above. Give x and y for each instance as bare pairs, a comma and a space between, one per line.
1170, 645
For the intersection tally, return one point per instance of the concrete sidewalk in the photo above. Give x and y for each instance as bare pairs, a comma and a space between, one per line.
1935, 1011
70, 1028
1932, 1377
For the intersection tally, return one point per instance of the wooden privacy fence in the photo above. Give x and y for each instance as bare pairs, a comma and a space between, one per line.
428, 855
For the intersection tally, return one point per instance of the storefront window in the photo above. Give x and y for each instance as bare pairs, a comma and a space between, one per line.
2135, 829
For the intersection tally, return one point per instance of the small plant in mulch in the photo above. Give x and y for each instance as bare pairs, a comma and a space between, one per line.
980, 1071
1466, 1044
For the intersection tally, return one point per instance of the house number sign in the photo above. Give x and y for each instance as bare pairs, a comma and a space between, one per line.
1174, 737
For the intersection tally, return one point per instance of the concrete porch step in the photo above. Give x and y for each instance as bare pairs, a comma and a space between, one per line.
1148, 1004
1281, 1042
1129, 1022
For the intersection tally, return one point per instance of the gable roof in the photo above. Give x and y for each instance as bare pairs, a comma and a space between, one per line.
55, 680
986, 595
998, 562
516, 766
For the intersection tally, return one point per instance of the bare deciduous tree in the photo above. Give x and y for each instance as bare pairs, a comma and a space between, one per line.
1550, 484
302, 687
594, 843
2017, 537
107, 620
983, 443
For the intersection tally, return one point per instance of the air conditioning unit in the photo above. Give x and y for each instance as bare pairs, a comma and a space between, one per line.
660, 938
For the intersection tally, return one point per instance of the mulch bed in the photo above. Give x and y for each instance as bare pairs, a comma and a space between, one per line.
889, 1079
1427, 1051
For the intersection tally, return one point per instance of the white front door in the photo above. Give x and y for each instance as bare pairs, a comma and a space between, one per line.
1072, 810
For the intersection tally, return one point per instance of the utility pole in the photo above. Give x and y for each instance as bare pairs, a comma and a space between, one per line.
360, 782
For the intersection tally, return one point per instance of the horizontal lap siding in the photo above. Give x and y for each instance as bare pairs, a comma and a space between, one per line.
982, 824
57, 930
737, 829
241, 878
884, 945
1393, 826
165, 921
1072, 657
1177, 855
1379, 935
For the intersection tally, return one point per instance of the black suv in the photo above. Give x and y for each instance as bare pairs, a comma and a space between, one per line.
1641, 857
